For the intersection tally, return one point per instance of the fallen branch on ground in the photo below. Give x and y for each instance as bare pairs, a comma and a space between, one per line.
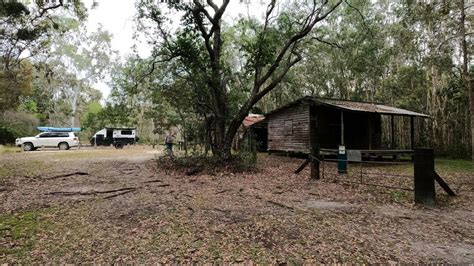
154, 181
67, 175
221, 210
71, 193
280, 204
119, 194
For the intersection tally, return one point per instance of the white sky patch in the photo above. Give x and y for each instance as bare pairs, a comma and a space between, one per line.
117, 17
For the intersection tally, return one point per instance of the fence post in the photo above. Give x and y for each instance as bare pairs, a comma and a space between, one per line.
314, 143
315, 174
424, 176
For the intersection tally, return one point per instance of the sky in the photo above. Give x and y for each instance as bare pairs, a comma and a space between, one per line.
117, 17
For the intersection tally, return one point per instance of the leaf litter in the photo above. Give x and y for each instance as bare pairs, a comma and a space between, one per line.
134, 211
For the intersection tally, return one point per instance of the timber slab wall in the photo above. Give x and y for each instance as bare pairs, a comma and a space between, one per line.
288, 129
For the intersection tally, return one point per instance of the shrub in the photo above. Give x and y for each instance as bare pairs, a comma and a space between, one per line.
16, 124
240, 162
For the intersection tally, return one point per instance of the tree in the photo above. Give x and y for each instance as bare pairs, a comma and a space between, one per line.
267, 64
25, 29
468, 81
76, 60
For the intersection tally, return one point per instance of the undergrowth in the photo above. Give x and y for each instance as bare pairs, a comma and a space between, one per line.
240, 162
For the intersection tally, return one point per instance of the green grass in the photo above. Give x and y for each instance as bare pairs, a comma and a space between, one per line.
24, 167
441, 165
18, 232
9, 149
455, 165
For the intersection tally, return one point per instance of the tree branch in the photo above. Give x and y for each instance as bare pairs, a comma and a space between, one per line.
362, 16
332, 44
309, 24
44, 10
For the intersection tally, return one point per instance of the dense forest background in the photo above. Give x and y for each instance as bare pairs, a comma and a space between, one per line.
410, 54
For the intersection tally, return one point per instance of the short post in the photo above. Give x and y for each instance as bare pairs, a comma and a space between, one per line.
424, 176
315, 162
342, 160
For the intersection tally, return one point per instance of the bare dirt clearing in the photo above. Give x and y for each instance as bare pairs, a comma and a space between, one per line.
112, 205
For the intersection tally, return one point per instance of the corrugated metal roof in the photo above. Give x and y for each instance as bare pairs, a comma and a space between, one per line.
369, 107
252, 119
353, 106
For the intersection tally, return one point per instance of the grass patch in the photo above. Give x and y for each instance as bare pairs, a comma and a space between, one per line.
448, 165
441, 165
9, 149
398, 196
18, 232
24, 167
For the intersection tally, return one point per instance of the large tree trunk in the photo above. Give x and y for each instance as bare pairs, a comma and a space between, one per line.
266, 77
465, 72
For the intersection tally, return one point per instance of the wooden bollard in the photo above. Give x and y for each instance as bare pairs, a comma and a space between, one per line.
314, 156
424, 176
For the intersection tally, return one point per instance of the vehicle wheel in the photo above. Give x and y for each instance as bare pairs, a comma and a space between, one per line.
119, 145
63, 146
28, 146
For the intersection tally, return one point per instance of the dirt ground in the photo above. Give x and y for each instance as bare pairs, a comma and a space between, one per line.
107, 205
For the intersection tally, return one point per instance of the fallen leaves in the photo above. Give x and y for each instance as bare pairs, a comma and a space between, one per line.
269, 215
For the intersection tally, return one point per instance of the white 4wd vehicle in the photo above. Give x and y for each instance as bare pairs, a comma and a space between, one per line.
61, 140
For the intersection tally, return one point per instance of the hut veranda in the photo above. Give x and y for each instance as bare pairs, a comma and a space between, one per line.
333, 123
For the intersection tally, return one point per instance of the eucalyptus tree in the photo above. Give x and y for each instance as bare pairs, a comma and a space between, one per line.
26, 32
76, 61
26, 28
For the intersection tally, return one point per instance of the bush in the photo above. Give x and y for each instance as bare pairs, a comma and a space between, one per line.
16, 124
241, 162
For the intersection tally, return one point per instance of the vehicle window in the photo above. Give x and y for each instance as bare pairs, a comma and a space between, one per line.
45, 135
126, 132
62, 135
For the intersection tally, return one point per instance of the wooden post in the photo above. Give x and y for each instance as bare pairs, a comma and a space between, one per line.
424, 176
314, 144
412, 132
370, 132
342, 128
392, 128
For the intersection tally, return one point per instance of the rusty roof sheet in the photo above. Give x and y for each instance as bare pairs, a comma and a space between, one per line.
369, 107
252, 119
353, 106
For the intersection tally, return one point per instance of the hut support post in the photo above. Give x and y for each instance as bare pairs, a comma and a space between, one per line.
370, 132
342, 128
392, 129
314, 144
412, 132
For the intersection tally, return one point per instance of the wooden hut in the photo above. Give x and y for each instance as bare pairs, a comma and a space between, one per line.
331, 123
